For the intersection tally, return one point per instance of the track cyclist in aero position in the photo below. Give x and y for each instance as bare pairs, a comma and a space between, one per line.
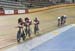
36, 27
20, 33
27, 24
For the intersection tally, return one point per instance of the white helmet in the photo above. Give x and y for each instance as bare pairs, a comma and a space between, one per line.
64, 15
58, 17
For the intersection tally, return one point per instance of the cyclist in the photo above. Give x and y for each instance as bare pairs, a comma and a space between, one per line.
20, 32
36, 27
65, 19
59, 21
27, 26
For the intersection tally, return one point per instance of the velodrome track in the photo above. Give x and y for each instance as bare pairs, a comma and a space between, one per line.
48, 22
59, 40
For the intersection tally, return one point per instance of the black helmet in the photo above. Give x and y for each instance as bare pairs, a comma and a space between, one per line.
26, 18
20, 20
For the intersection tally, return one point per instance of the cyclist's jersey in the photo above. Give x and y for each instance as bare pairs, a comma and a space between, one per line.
20, 24
27, 23
62, 18
36, 22
30, 22
65, 17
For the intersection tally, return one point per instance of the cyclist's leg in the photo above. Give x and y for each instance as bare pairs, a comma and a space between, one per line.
18, 36
59, 23
26, 31
23, 35
35, 30
63, 22
29, 33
